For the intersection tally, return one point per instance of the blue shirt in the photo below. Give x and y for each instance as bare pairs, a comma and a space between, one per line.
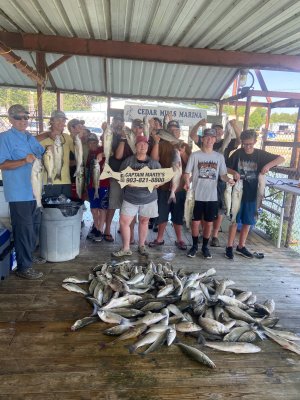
16, 145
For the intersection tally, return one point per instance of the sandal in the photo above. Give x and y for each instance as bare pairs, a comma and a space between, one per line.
156, 243
181, 245
258, 255
108, 238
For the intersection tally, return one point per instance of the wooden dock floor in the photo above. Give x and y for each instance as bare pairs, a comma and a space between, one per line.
42, 359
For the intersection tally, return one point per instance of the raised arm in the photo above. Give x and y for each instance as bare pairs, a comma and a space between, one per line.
193, 133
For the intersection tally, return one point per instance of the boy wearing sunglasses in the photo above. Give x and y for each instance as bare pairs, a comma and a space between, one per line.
18, 150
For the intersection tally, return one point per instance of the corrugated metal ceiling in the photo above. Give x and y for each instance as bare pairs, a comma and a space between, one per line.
270, 26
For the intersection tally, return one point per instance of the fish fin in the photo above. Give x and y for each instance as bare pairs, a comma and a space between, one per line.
49, 181
58, 176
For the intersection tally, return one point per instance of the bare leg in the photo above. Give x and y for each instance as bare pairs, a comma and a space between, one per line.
95, 215
143, 230
161, 231
177, 229
243, 235
101, 219
125, 221
195, 228
231, 234
132, 224
109, 217
216, 225
207, 229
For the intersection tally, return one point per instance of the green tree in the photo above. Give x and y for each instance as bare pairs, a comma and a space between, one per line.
257, 118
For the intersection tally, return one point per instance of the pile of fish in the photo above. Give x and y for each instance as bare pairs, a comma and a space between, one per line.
155, 305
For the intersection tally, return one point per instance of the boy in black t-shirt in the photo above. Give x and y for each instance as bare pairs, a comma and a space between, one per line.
246, 164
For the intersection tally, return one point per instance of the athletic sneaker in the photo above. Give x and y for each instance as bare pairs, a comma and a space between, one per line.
229, 253
29, 273
142, 250
92, 233
215, 242
244, 252
98, 236
206, 252
122, 253
192, 252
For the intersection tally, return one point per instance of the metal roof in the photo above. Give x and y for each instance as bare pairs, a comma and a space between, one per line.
264, 26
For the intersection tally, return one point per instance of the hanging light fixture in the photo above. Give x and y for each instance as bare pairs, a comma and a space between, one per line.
243, 77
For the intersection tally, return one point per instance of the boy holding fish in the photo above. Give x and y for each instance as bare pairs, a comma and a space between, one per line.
247, 163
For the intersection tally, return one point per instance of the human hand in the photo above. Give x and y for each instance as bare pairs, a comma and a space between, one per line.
236, 176
99, 157
231, 182
265, 169
30, 158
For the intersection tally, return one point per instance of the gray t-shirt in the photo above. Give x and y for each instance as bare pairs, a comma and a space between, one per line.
205, 169
139, 195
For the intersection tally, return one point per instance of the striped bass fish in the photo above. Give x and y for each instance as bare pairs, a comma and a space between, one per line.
78, 154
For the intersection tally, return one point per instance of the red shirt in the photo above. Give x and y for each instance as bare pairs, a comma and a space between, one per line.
92, 155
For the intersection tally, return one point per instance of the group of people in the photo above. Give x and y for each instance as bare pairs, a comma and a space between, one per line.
18, 150
204, 171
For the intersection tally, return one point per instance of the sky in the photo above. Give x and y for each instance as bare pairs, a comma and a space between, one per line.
278, 81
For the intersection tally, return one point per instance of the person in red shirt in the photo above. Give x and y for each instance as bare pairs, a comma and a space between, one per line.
98, 191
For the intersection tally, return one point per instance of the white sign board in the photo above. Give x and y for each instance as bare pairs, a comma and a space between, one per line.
185, 116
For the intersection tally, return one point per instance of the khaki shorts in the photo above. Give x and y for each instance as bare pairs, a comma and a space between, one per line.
149, 210
115, 195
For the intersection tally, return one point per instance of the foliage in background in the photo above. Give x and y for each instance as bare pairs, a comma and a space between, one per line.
270, 225
71, 102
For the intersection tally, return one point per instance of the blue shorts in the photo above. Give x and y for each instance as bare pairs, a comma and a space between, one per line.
246, 215
102, 202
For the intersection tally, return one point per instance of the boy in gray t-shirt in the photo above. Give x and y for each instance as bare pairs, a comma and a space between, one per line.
204, 167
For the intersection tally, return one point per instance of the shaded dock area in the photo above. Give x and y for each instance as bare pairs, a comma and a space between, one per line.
42, 359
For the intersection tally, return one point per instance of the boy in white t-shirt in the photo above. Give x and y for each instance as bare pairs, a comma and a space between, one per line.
204, 167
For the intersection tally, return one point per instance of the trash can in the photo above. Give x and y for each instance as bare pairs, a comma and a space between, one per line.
60, 231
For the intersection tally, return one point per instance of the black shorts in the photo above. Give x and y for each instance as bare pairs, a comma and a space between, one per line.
176, 209
206, 211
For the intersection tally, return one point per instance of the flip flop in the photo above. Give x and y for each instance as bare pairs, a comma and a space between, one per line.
181, 245
108, 238
156, 243
258, 255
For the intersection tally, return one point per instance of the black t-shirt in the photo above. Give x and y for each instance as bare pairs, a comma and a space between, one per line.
249, 167
113, 162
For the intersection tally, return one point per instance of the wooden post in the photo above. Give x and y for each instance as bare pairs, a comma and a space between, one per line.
295, 163
268, 116
108, 109
220, 109
247, 113
59, 100
41, 69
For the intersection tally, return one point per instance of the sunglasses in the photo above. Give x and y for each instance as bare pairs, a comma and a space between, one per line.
20, 117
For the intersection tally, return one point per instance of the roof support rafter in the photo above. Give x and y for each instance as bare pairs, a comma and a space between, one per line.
58, 62
149, 52
20, 64
262, 83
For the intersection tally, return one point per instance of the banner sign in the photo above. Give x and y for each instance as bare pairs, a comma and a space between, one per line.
144, 177
185, 116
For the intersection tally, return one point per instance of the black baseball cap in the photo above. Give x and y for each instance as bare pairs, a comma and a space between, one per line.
173, 123
214, 126
209, 132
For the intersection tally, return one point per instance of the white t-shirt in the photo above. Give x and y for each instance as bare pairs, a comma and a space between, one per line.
205, 169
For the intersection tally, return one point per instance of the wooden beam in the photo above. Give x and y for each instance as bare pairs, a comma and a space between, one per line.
58, 62
286, 103
20, 64
149, 52
243, 103
289, 95
262, 83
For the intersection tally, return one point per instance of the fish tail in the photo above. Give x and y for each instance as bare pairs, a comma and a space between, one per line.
96, 195
58, 176
49, 181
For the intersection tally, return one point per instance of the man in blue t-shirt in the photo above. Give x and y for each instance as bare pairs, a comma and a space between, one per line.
18, 150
